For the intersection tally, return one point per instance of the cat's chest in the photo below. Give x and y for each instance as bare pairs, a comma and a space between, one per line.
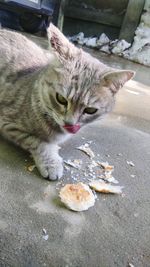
59, 138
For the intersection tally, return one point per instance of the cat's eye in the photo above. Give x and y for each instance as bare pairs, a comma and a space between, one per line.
61, 100
90, 110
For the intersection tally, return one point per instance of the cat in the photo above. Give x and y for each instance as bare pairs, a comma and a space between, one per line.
48, 95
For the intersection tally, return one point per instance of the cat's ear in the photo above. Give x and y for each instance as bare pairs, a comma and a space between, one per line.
60, 45
114, 80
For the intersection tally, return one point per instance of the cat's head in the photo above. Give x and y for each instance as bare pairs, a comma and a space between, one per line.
82, 89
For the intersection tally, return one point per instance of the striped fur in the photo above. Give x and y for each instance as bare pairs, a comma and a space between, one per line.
30, 77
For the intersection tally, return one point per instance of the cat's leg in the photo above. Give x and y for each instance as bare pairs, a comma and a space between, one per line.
48, 161
46, 156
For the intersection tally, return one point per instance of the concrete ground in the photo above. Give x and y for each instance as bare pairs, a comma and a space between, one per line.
113, 233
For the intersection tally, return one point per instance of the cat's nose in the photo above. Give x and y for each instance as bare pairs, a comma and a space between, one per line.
72, 128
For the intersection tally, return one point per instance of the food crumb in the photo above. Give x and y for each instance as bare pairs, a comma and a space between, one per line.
132, 175
44, 231
76, 163
31, 168
87, 150
119, 154
45, 235
77, 197
103, 187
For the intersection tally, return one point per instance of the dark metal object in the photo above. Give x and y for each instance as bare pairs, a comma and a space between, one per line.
31, 15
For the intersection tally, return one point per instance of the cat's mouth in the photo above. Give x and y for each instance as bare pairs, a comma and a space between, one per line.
72, 128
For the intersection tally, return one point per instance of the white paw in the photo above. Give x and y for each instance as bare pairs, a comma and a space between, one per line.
49, 168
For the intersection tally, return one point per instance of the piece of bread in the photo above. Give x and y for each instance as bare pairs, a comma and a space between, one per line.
103, 187
77, 197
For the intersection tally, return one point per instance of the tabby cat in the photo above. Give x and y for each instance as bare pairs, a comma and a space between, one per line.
46, 96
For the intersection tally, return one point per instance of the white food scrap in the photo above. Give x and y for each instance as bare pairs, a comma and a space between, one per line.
130, 163
130, 265
103, 187
44, 231
87, 150
92, 165
107, 176
132, 175
111, 180
106, 166
45, 237
76, 163
77, 197
66, 168
119, 154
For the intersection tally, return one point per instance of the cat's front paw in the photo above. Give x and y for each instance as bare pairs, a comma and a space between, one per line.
51, 169
55, 170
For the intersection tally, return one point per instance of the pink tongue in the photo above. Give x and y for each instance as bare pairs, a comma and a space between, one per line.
72, 128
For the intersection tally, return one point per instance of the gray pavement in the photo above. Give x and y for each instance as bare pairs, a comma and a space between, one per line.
113, 233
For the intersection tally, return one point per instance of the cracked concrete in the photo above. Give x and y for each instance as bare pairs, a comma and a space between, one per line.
116, 230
